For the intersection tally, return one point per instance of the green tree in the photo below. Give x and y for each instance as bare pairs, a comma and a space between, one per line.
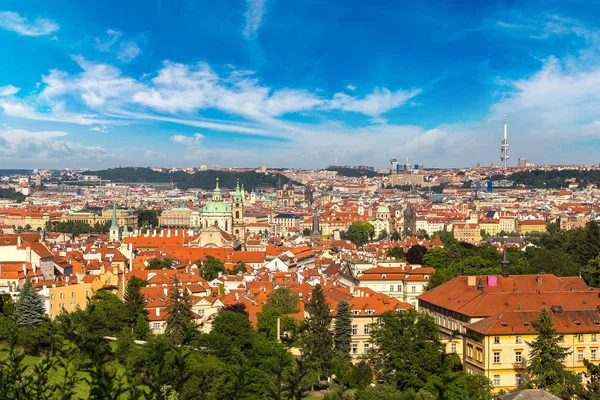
30, 307
395, 236
239, 267
359, 233
160, 263
415, 254
284, 300
342, 331
396, 252
406, 349
135, 303
210, 268
435, 258
306, 232
592, 389
546, 356
179, 321
317, 338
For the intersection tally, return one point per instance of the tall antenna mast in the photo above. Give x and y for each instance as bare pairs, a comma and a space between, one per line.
504, 147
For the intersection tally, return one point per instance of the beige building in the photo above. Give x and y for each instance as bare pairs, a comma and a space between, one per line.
469, 233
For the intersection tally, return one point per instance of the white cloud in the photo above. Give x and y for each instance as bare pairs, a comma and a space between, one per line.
124, 50
12, 21
351, 87
374, 104
8, 90
21, 110
194, 148
101, 128
21, 144
255, 11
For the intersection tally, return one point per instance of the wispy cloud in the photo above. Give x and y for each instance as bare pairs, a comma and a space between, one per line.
194, 148
124, 50
12, 21
23, 144
255, 11
8, 90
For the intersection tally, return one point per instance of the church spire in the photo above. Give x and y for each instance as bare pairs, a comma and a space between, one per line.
114, 224
504, 263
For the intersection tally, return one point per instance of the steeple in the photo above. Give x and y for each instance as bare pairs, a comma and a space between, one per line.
238, 193
114, 233
217, 192
504, 263
114, 224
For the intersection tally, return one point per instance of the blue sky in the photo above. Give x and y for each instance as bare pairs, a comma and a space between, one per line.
297, 84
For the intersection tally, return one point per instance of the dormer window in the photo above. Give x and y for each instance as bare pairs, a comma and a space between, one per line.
383, 276
370, 312
355, 312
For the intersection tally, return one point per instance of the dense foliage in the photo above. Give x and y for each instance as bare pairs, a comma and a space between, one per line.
553, 179
183, 180
354, 172
562, 253
11, 194
359, 233
77, 227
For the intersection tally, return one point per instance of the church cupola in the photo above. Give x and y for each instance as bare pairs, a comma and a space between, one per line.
217, 193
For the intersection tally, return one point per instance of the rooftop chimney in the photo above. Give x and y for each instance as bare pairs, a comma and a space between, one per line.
504, 263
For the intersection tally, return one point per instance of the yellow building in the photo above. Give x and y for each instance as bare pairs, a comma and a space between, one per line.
532, 226
124, 218
497, 346
180, 217
469, 233
490, 226
74, 296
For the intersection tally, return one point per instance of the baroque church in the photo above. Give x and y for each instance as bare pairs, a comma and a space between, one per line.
227, 217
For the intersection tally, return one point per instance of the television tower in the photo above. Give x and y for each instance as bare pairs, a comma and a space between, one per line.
504, 148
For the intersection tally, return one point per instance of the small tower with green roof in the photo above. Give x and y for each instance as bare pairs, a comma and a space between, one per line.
114, 232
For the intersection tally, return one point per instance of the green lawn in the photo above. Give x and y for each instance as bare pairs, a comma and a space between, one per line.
56, 375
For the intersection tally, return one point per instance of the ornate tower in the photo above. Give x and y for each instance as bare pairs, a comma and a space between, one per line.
315, 234
237, 211
114, 232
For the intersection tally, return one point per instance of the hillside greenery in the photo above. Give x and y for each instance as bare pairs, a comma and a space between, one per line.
200, 179
354, 172
553, 179
563, 253
11, 194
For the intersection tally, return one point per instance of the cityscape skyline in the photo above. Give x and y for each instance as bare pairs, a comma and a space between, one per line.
184, 84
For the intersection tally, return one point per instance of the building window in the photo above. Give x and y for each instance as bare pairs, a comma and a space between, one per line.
580, 338
518, 339
370, 312
354, 330
354, 348
579, 355
87, 293
518, 379
470, 351
62, 296
561, 338
399, 288
366, 347
594, 354
156, 326
366, 330
496, 339
413, 289
72, 295
496, 380
593, 337
496, 357
518, 357
51, 297
355, 312
453, 348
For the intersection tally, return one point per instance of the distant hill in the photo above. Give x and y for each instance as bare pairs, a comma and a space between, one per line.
183, 180
553, 179
354, 172
9, 172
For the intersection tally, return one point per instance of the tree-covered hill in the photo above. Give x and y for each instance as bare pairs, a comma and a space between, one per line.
9, 172
11, 194
183, 180
553, 179
354, 172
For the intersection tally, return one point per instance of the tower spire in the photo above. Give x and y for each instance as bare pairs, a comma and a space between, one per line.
504, 147
504, 263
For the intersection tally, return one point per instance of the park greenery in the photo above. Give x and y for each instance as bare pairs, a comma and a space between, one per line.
200, 179
562, 253
77, 227
11, 194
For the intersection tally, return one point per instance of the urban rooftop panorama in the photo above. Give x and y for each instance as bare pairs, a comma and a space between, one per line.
257, 199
